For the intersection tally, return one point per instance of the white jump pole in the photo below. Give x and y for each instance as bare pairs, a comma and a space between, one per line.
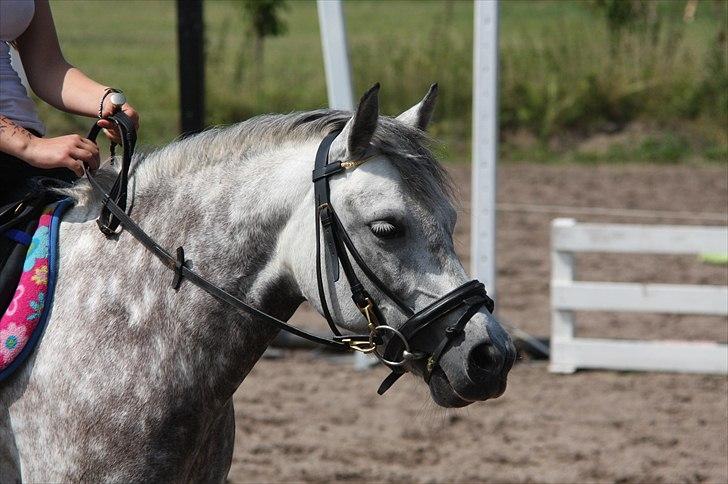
338, 84
336, 54
485, 143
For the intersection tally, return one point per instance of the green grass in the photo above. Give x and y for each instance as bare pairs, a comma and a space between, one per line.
562, 76
133, 48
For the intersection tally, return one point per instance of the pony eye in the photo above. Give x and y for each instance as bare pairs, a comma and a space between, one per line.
384, 229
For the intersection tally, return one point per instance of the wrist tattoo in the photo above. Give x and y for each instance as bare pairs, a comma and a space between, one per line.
12, 129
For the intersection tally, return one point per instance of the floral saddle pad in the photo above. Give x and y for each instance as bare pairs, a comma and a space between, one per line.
25, 317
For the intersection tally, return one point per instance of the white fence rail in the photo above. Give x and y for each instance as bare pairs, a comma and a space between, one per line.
568, 353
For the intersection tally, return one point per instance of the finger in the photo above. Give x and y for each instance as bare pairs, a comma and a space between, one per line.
94, 162
113, 135
90, 158
81, 154
105, 123
111, 131
133, 115
75, 166
89, 145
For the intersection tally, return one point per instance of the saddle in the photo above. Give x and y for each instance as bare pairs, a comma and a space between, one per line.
28, 254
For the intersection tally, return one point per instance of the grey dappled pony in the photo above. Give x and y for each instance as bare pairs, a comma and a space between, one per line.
134, 381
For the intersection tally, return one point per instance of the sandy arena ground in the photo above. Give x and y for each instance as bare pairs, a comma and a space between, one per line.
307, 417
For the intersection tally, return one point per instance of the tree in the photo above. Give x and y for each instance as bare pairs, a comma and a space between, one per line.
263, 19
624, 15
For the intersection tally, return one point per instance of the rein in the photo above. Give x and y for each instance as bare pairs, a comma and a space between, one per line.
114, 215
334, 241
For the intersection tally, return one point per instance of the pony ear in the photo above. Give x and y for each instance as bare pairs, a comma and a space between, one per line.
359, 130
419, 115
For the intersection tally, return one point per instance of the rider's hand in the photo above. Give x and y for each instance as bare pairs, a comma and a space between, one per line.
110, 129
70, 151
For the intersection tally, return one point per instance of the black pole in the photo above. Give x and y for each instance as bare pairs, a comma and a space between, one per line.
191, 60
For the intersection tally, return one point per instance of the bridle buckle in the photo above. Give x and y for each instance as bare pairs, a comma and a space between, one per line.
368, 312
351, 164
360, 346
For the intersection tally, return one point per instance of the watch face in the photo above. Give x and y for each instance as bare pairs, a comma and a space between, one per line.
117, 99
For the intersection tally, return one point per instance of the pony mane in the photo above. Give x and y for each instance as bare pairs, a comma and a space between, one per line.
406, 147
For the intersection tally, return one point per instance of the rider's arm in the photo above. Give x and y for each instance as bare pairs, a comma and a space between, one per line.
64, 151
52, 78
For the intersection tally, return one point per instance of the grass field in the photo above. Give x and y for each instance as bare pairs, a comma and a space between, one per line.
563, 78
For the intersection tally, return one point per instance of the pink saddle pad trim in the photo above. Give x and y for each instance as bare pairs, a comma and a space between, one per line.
24, 312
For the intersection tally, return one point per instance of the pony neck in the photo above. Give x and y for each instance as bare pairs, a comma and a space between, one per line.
228, 217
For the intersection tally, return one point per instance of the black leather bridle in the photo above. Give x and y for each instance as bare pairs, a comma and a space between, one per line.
398, 349
393, 346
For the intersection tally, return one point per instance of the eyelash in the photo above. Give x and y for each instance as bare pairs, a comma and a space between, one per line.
385, 230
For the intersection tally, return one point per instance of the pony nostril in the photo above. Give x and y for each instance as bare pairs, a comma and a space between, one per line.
483, 357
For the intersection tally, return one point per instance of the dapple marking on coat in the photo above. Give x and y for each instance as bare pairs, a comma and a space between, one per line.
133, 381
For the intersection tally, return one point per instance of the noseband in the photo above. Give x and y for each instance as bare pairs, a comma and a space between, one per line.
393, 346
397, 344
